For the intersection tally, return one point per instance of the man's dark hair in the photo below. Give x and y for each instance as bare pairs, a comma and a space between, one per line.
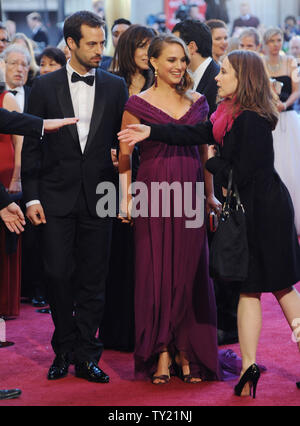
72, 25
194, 30
121, 21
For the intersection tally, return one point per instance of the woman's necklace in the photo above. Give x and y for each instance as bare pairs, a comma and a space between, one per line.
137, 84
274, 68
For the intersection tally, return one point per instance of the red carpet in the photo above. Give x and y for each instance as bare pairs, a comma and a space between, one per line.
25, 366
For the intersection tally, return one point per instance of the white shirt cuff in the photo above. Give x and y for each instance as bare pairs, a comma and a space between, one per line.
32, 203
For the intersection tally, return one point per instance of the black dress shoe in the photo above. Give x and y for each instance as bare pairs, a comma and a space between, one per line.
60, 367
10, 394
39, 302
91, 372
44, 311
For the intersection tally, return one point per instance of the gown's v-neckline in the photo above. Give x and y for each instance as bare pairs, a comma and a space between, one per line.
167, 114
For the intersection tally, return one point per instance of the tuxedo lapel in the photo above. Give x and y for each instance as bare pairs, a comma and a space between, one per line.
98, 111
65, 102
205, 78
27, 90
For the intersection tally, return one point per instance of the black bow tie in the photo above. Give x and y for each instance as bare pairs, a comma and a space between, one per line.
88, 80
14, 92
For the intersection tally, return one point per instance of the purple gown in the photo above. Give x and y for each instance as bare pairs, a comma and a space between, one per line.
174, 296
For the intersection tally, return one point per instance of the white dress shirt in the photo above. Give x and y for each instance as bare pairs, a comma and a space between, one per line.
198, 74
83, 97
19, 96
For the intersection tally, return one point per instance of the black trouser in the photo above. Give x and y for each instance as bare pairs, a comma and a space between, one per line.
76, 251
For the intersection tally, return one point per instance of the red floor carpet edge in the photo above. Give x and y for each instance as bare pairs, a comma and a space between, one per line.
25, 366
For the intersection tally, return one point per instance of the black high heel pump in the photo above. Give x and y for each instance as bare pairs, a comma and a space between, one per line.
251, 376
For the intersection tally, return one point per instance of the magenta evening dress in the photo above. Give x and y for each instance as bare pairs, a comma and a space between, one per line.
174, 295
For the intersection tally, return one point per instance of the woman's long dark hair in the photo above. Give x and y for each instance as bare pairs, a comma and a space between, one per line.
123, 63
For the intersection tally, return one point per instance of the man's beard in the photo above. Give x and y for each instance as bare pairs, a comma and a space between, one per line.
86, 64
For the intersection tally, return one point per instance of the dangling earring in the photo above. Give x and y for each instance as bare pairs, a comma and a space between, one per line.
182, 83
155, 78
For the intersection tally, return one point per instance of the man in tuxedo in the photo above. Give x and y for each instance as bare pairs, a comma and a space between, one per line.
17, 60
60, 177
197, 36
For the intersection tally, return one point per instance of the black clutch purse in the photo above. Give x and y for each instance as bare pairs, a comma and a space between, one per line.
229, 254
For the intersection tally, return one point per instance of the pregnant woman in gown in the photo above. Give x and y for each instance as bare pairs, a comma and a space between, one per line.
175, 312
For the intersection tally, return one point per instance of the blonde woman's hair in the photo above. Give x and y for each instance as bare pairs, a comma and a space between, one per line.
271, 32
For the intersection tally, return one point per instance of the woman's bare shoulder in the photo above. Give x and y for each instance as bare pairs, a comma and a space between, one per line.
194, 95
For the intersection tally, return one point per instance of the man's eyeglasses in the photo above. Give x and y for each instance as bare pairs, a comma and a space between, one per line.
17, 64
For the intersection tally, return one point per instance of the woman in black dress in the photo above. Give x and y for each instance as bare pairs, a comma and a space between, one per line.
242, 127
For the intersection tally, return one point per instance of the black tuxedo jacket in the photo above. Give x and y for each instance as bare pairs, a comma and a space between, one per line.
27, 91
54, 170
208, 85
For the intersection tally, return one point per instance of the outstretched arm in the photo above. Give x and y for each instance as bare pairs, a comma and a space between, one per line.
12, 122
171, 134
174, 134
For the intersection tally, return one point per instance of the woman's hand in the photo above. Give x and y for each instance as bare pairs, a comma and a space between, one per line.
213, 204
114, 159
125, 210
134, 133
212, 152
281, 106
